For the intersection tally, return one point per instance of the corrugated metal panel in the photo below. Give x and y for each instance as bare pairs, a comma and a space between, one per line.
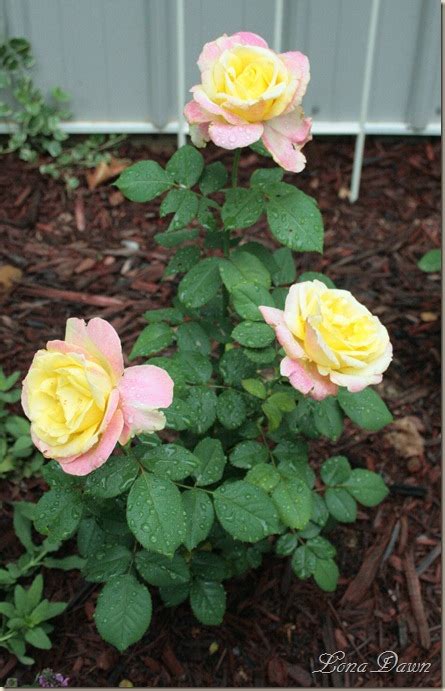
118, 57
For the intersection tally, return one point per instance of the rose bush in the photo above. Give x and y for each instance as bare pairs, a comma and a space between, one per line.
248, 92
231, 476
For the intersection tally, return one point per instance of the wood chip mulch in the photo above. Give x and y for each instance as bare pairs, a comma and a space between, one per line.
93, 253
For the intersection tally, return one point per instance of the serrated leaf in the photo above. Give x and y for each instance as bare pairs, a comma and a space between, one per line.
196, 368
172, 238
263, 177
294, 219
335, 470
326, 574
260, 356
303, 562
108, 561
179, 416
151, 340
242, 208
315, 275
183, 260
328, 418
199, 516
246, 299
186, 165
243, 267
167, 314
183, 204
155, 514
173, 595
202, 404
161, 571
123, 611
365, 408
247, 454
231, 409
366, 487
253, 334
293, 500
286, 272
245, 511
58, 513
210, 566
170, 461
235, 366
144, 181
208, 601
340, 504
255, 387
212, 461
191, 336
113, 478
200, 284
264, 476
286, 544
213, 178
321, 547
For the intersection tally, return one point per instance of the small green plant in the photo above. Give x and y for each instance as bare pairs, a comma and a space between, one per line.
35, 121
431, 262
18, 455
24, 613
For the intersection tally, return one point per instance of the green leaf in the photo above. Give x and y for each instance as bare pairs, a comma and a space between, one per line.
263, 177
34, 593
209, 566
253, 335
200, 284
340, 504
174, 367
108, 561
286, 272
247, 298
183, 204
260, 149
283, 401
293, 499
168, 314
326, 574
152, 339
335, 470
321, 547
155, 514
273, 414
243, 267
260, 356
123, 611
113, 478
231, 409
303, 562
366, 409
208, 601
24, 513
366, 487
173, 595
186, 165
170, 461
58, 513
242, 208
247, 454
255, 387
144, 181
202, 404
159, 570
294, 219
328, 418
314, 275
286, 544
213, 178
264, 476
47, 610
199, 516
431, 262
171, 238
245, 511
179, 416
262, 253
196, 368
38, 638
184, 259
191, 336
212, 461
235, 366
70, 563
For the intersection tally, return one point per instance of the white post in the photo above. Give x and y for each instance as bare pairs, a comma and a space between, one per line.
180, 43
367, 78
278, 25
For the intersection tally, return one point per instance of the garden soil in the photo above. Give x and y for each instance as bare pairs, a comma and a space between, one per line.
92, 253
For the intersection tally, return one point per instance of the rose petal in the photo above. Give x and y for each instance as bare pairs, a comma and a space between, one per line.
284, 137
247, 38
100, 340
235, 136
195, 114
306, 379
212, 50
143, 389
206, 104
298, 64
99, 454
272, 315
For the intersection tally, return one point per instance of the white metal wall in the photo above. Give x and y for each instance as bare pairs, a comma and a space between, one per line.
128, 64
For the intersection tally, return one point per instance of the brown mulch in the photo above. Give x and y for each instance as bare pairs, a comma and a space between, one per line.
93, 254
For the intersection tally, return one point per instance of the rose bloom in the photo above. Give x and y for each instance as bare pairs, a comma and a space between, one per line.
247, 93
330, 340
81, 401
